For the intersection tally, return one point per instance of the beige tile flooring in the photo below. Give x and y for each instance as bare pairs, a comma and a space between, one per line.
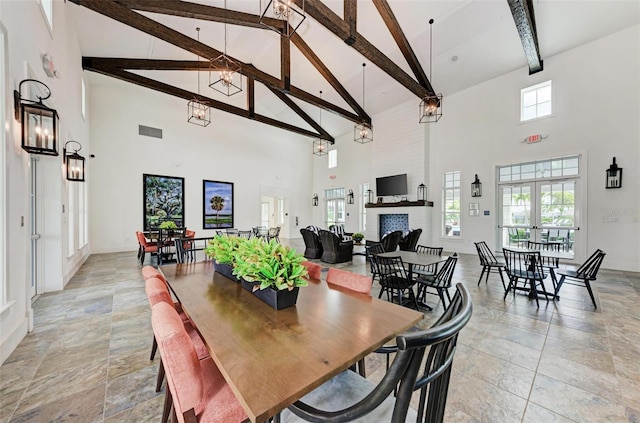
87, 359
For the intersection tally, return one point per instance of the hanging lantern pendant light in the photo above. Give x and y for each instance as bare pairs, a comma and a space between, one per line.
198, 111
430, 109
363, 132
224, 72
320, 146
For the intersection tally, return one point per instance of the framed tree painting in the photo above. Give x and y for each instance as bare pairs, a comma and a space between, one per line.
163, 198
217, 199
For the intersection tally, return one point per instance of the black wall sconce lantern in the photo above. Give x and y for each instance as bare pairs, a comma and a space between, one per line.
369, 196
476, 187
614, 175
350, 197
314, 200
74, 163
422, 192
39, 123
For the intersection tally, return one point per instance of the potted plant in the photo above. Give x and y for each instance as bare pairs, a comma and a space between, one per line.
223, 250
271, 271
169, 225
357, 237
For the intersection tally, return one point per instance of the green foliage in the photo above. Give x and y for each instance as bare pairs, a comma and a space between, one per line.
223, 248
270, 264
357, 237
168, 224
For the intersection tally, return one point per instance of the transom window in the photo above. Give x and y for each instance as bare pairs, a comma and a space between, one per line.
47, 10
451, 224
542, 169
535, 101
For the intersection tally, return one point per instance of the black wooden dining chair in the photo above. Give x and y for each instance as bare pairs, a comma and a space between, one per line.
441, 282
394, 280
525, 266
426, 270
370, 250
583, 275
351, 397
489, 263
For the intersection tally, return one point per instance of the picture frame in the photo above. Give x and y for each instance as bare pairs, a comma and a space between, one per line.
474, 209
217, 204
163, 199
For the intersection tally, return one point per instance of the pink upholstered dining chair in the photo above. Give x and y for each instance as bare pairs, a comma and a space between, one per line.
145, 246
149, 272
196, 388
314, 269
350, 280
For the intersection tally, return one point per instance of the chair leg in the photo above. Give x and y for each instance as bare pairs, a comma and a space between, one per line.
168, 404
160, 378
482, 274
593, 300
532, 285
142, 256
560, 282
154, 348
502, 278
441, 295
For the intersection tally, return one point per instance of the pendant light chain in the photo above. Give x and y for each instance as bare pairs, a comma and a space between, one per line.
225, 31
430, 47
198, 60
363, 65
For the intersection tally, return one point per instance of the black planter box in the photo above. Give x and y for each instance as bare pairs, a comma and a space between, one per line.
225, 270
276, 299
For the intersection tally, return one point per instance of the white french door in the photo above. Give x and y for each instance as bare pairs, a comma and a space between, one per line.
539, 211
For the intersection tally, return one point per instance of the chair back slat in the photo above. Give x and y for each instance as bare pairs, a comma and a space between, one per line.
434, 251
484, 253
388, 267
545, 246
445, 275
524, 264
589, 268
370, 251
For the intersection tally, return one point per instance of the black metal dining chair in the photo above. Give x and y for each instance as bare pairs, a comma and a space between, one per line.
583, 275
525, 266
435, 346
371, 250
394, 280
489, 263
428, 270
441, 282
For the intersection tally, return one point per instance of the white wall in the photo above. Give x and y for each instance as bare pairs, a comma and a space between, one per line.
596, 110
260, 160
28, 38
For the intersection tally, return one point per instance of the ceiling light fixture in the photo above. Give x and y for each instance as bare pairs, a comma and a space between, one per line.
282, 10
320, 146
430, 109
363, 132
229, 81
198, 111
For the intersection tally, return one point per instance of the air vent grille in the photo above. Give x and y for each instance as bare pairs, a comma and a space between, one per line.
148, 131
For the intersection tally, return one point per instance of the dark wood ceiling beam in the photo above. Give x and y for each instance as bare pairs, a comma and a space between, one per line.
285, 63
135, 20
191, 10
309, 54
293, 106
327, 18
401, 40
350, 16
193, 65
188, 95
524, 17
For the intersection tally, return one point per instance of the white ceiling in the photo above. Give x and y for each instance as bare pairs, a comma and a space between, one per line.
479, 34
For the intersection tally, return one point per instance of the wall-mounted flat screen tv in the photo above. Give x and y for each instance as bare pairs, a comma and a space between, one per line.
391, 185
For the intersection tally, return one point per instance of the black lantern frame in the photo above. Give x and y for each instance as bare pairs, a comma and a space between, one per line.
283, 11
476, 187
350, 197
422, 192
369, 196
39, 123
614, 176
314, 200
74, 163
431, 108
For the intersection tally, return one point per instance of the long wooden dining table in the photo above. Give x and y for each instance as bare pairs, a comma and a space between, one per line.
271, 358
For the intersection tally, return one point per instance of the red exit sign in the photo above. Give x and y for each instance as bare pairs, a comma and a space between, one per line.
534, 138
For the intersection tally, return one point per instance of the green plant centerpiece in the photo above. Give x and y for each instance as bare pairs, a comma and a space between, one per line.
168, 224
270, 265
357, 237
223, 250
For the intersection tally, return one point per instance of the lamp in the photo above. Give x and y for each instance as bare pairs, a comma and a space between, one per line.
422, 192
39, 123
476, 187
320, 146
198, 111
74, 163
229, 81
614, 176
350, 197
314, 200
430, 109
369, 196
363, 132
282, 10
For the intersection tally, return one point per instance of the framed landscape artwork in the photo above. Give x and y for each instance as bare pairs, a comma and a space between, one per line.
163, 198
217, 199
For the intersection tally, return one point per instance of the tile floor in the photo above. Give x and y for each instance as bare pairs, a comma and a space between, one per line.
87, 359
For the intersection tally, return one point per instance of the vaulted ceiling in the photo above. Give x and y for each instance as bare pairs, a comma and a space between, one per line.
153, 43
